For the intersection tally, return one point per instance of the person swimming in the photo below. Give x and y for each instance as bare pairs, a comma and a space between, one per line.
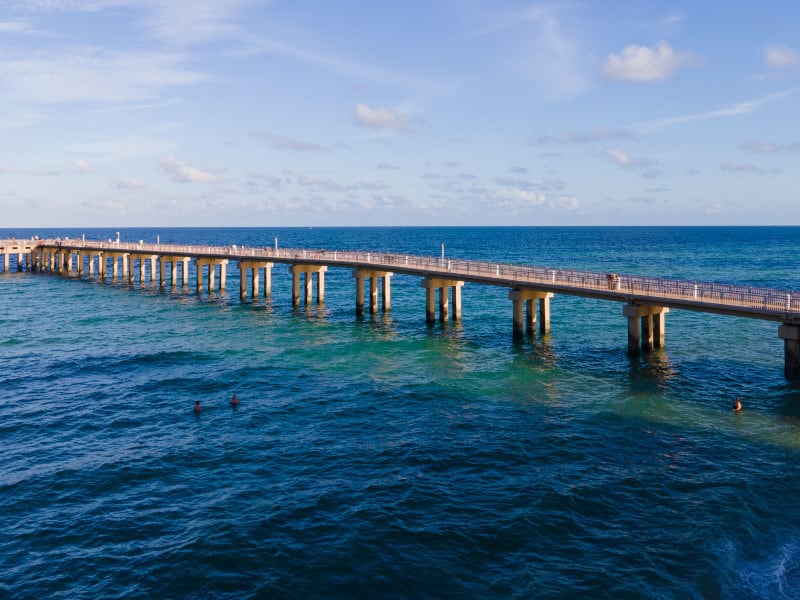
197, 407
737, 405
234, 401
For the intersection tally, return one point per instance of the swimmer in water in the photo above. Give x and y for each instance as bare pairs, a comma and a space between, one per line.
197, 407
234, 401
737, 405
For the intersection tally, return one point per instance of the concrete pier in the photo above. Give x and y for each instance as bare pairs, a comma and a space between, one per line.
646, 300
385, 277
211, 263
528, 298
308, 271
434, 285
790, 334
253, 267
646, 326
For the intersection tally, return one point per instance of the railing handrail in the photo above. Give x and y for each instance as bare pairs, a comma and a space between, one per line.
757, 299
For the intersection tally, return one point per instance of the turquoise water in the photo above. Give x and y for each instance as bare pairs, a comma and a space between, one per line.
383, 457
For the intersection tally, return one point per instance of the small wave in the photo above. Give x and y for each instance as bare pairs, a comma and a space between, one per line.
773, 575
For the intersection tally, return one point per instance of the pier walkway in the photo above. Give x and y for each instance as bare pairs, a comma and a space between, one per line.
646, 300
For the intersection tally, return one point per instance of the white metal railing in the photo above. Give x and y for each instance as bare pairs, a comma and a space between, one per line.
754, 299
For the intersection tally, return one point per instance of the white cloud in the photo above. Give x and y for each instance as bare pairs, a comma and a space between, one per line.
623, 159
519, 197
18, 26
729, 111
714, 209
769, 147
640, 63
127, 183
647, 167
280, 142
781, 57
569, 202
601, 134
194, 21
80, 166
180, 172
123, 148
92, 74
382, 118
737, 167
27, 171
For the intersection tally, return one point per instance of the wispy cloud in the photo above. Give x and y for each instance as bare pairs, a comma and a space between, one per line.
93, 74
729, 111
640, 63
757, 147
647, 167
601, 134
280, 142
781, 57
737, 167
382, 118
181, 172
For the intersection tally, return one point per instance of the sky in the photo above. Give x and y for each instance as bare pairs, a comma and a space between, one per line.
277, 113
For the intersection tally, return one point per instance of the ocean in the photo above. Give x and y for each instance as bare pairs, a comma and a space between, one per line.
383, 457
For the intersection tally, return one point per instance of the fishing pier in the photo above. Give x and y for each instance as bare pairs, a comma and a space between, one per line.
645, 300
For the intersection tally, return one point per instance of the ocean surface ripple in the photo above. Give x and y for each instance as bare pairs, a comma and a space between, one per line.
383, 457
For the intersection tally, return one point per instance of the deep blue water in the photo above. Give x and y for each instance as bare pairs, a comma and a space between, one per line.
383, 457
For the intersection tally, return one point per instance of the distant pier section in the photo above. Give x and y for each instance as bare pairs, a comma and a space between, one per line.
646, 300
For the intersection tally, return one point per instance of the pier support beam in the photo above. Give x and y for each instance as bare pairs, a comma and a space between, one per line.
309, 271
360, 275
431, 285
211, 263
254, 268
528, 298
646, 326
790, 334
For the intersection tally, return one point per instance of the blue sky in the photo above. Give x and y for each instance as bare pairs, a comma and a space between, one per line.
429, 112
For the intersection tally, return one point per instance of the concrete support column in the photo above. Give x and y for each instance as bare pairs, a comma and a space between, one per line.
359, 292
435, 283
373, 295
373, 275
223, 265
242, 282
125, 270
162, 275
523, 300
267, 280
256, 283
309, 271
295, 288
199, 277
646, 326
308, 288
185, 271
131, 268
321, 287
212, 273
6, 262
174, 273
790, 334
443, 304
153, 269
19, 261
387, 292
430, 304
142, 262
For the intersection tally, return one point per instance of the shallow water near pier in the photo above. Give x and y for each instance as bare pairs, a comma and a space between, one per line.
379, 456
